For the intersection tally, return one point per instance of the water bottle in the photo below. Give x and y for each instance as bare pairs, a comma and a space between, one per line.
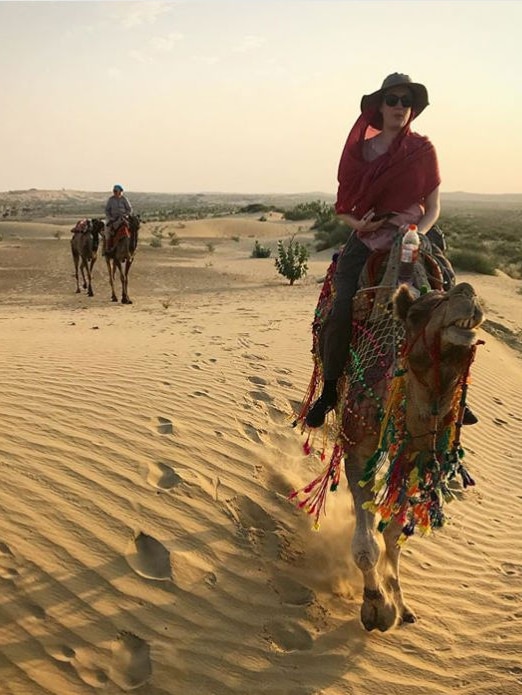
409, 253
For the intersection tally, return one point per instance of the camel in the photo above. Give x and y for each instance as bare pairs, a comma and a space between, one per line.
121, 254
399, 423
84, 248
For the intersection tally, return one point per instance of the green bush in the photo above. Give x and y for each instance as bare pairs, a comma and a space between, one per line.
316, 210
156, 242
474, 261
260, 251
174, 239
332, 234
292, 259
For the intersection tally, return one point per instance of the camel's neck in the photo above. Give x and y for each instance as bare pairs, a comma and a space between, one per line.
430, 396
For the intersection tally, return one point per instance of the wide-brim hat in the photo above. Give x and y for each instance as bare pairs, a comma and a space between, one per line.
419, 92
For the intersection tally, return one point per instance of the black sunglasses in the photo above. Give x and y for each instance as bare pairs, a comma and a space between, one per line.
393, 100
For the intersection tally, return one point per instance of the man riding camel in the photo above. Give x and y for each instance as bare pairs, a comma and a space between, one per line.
117, 206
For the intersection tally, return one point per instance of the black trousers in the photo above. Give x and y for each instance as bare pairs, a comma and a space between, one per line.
336, 332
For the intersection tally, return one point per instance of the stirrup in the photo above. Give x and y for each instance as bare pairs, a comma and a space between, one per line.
318, 411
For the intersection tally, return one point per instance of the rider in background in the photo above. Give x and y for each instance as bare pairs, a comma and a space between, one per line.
117, 206
388, 177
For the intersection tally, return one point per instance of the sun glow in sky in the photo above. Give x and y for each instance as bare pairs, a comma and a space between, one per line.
249, 95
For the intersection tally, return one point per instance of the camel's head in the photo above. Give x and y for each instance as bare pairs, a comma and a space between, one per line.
448, 319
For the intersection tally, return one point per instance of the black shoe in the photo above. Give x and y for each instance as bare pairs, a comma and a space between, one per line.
469, 417
317, 413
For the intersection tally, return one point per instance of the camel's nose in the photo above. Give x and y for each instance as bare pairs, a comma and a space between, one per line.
464, 288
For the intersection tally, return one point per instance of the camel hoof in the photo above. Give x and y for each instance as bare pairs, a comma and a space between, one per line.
126, 300
78, 291
378, 613
114, 298
408, 616
90, 294
84, 285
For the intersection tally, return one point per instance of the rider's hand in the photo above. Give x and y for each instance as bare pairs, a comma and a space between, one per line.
365, 224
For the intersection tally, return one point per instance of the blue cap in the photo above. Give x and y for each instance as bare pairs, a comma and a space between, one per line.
117, 187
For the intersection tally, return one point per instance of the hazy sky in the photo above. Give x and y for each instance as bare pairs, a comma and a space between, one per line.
249, 95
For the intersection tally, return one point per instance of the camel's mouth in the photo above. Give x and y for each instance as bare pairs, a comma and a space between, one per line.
464, 331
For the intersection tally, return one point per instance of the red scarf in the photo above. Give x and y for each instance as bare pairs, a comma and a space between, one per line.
405, 174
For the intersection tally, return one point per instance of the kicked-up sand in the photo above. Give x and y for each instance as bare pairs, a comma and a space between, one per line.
146, 451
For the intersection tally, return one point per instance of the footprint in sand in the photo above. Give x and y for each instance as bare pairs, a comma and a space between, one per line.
162, 476
278, 416
7, 560
291, 592
61, 652
257, 380
288, 636
498, 421
8, 573
131, 665
258, 527
164, 425
5, 550
511, 569
250, 515
36, 611
261, 396
149, 558
251, 433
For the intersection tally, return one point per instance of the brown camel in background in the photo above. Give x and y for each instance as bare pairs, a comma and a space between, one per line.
120, 254
84, 247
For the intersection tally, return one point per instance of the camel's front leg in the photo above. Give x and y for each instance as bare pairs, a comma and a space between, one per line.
76, 260
114, 298
122, 280
393, 552
125, 283
376, 611
87, 272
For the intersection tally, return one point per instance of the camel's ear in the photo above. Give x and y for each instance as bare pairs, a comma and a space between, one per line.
402, 301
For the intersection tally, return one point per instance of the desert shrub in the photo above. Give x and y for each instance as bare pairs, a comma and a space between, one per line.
57, 235
257, 207
260, 251
234, 238
156, 242
331, 234
262, 218
210, 247
316, 210
1, 237
157, 231
292, 258
174, 239
474, 261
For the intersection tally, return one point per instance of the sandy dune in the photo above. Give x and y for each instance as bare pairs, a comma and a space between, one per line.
146, 542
